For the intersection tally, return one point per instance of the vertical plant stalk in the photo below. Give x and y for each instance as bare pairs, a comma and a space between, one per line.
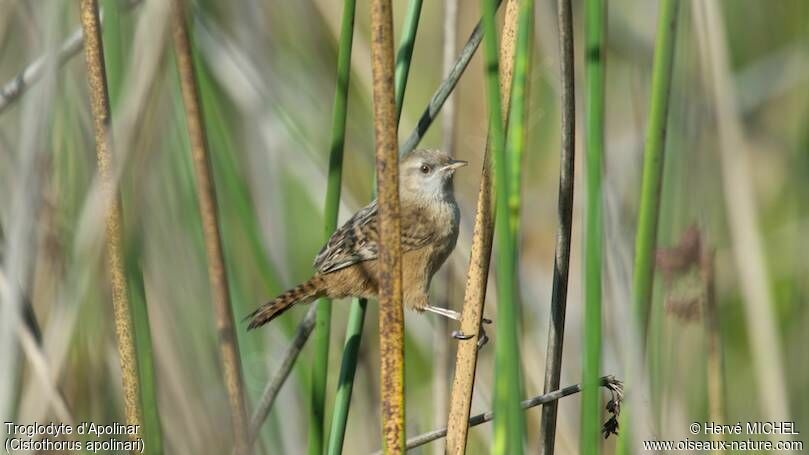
114, 52
561, 265
348, 367
322, 332
268, 396
509, 427
476, 278
206, 193
404, 54
651, 185
653, 156
443, 91
518, 106
594, 23
391, 318
356, 317
100, 108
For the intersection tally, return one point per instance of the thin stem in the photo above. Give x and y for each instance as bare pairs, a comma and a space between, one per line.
29, 75
594, 21
651, 184
122, 312
320, 364
561, 265
477, 276
508, 429
515, 138
206, 194
348, 368
391, 317
444, 90
114, 53
274, 385
357, 311
405, 53
545, 399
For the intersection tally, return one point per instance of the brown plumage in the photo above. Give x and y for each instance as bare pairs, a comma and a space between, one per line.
347, 264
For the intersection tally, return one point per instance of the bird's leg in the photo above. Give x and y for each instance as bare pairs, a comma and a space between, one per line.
457, 334
446, 312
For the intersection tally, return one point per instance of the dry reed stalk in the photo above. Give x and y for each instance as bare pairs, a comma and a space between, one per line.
206, 194
477, 276
391, 317
100, 107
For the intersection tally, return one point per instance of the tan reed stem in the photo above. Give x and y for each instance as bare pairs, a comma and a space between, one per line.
466, 359
206, 194
391, 317
100, 109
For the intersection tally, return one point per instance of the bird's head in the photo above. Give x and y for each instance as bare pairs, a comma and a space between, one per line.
427, 174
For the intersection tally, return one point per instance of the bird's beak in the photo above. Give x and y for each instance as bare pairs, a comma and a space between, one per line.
454, 165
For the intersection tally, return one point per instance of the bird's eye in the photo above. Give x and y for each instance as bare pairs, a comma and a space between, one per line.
425, 169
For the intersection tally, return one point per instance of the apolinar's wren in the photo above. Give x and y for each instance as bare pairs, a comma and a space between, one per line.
347, 265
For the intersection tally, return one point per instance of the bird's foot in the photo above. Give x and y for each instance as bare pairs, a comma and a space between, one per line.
457, 334
482, 337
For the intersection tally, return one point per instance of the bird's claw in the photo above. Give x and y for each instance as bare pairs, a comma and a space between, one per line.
482, 337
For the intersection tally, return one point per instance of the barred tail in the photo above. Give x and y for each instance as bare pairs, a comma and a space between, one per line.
303, 293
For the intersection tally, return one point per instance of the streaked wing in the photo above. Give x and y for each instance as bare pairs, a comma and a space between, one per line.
357, 240
353, 242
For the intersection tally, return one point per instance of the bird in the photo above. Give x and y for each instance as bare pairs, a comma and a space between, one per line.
348, 265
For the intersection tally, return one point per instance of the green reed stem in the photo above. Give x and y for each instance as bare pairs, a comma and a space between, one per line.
348, 368
444, 90
594, 21
405, 53
152, 434
320, 367
651, 184
509, 425
515, 141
